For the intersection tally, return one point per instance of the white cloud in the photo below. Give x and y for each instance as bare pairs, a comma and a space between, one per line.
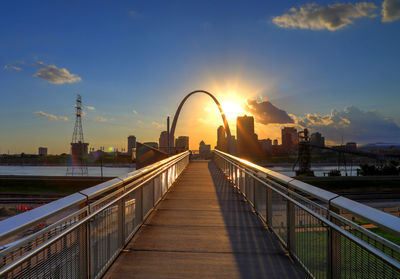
64, 118
390, 10
140, 122
12, 67
134, 112
101, 119
155, 124
48, 115
353, 124
90, 107
56, 75
332, 17
83, 113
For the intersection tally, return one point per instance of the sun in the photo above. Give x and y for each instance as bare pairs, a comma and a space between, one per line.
231, 109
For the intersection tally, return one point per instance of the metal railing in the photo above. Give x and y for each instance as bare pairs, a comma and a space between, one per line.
79, 236
314, 224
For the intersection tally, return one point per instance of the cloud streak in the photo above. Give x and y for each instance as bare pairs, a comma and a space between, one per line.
390, 10
56, 75
12, 67
90, 108
266, 113
331, 17
101, 119
155, 124
47, 115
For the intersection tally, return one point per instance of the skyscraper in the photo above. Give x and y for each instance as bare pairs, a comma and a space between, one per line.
222, 142
163, 142
131, 144
290, 138
247, 140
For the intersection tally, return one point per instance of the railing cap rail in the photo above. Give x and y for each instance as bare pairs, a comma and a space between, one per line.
29, 218
375, 216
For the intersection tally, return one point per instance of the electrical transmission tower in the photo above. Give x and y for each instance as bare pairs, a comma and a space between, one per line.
79, 149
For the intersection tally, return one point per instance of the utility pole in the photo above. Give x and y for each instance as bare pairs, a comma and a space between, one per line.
168, 135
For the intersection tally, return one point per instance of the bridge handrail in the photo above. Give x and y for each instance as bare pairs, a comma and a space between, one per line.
108, 218
377, 217
19, 222
325, 243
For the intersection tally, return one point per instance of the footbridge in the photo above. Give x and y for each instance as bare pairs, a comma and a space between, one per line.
223, 218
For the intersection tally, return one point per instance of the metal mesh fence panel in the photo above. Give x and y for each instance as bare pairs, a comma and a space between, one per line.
311, 249
260, 199
64, 258
279, 216
147, 197
104, 238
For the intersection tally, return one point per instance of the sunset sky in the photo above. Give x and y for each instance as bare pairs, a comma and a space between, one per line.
331, 66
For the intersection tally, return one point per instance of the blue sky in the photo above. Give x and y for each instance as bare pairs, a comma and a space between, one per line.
123, 56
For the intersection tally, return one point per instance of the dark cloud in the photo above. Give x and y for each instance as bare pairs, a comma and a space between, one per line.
353, 124
266, 113
331, 17
390, 10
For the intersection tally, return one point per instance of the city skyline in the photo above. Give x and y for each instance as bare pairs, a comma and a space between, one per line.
272, 61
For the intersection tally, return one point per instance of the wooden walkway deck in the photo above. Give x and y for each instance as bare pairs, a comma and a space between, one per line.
202, 229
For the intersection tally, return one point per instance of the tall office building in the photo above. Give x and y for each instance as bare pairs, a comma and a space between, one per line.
131, 144
163, 142
222, 142
290, 138
182, 144
247, 140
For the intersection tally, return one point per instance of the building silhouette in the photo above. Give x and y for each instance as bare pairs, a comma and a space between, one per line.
290, 139
182, 144
317, 139
204, 150
266, 145
163, 142
247, 140
131, 145
42, 151
222, 141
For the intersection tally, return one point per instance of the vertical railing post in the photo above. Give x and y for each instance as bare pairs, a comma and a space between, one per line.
121, 221
269, 207
334, 248
84, 246
291, 224
254, 183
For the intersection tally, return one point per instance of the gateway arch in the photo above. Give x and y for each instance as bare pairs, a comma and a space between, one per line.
226, 125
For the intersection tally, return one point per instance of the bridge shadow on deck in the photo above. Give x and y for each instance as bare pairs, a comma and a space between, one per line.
203, 229
248, 235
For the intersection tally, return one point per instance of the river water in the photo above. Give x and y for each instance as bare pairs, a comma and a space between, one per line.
118, 171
